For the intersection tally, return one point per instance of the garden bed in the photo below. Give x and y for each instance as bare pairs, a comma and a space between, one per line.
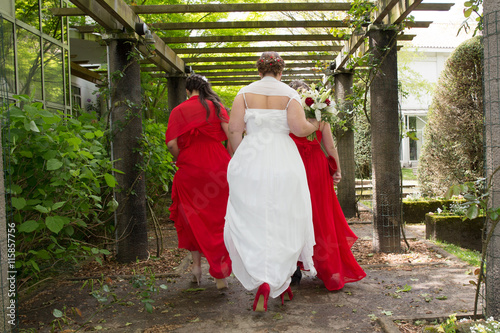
453, 229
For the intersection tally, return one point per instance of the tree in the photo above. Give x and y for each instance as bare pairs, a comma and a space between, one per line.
453, 138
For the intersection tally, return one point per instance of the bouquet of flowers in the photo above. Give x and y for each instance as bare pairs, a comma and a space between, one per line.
317, 104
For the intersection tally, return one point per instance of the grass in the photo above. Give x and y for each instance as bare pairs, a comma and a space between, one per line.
471, 257
408, 174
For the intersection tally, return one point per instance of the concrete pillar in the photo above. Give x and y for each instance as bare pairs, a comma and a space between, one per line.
385, 141
126, 120
176, 91
491, 41
345, 146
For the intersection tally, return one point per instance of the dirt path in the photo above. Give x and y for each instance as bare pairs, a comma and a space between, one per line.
410, 288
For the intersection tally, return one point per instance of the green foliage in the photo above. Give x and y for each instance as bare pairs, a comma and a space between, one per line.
60, 184
159, 166
362, 148
453, 147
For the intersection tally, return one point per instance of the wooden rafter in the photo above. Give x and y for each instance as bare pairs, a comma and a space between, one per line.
241, 7
253, 38
249, 49
253, 59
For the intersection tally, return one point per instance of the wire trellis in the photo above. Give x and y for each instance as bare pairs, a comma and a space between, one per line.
491, 291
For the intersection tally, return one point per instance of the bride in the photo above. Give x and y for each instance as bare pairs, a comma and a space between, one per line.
268, 220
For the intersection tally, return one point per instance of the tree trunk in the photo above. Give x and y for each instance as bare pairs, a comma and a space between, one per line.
492, 145
176, 91
126, 118
385, 142
345, 146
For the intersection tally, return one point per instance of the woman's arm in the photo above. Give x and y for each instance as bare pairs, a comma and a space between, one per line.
236, 123
173, 148
225, 128
328, 143
297, 121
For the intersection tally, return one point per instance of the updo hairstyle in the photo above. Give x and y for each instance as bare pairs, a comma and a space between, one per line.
270, 62
299, 85
204, 88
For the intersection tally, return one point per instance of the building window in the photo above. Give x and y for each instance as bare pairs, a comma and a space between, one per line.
76, 97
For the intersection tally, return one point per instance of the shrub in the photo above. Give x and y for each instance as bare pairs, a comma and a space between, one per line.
159, 167
453, 144
59, 178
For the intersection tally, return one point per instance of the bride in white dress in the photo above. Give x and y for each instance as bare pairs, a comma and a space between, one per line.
269, 219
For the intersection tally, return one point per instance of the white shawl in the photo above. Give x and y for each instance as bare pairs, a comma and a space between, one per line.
269, 86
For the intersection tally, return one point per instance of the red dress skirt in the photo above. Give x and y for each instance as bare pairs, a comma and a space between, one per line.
333, 258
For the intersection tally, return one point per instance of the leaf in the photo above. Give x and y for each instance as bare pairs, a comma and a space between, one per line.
406, 288
89, 135
55, 223
28, 226
41, 209
18, 203
192, 290
33, 127
387, 313
54, 164
472, 212
57, 313
58, 205
278, 316
148, 307
110, 180
442, 298
99, 133
162, 286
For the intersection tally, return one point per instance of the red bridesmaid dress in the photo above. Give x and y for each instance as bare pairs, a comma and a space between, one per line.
200, 190
333, 258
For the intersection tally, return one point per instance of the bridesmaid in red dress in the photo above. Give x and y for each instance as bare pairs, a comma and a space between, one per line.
333, 259
196, 129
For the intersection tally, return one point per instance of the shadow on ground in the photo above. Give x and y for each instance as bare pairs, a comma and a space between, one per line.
409, 290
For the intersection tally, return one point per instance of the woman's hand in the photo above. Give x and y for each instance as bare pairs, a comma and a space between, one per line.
337, 176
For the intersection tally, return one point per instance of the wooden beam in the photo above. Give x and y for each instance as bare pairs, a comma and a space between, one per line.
257, 77
168, 9
249, 25
253, 59
252, 38
85, 74
99, 14
390, 12
250, 49
248, 66
122, 14
254, 72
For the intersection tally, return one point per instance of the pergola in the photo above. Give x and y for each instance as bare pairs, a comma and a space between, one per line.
230, 65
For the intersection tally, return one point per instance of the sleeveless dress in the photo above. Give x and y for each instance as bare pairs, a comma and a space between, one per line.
333, 259
269, 218
200, 189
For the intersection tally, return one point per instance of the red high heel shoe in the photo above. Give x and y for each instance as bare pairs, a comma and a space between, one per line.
260, 302
287, 295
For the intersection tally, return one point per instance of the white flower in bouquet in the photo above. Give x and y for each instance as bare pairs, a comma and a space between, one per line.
317, 104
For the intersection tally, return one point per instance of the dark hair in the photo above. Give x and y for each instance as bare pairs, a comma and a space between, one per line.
270, 62
200, 83
299, 84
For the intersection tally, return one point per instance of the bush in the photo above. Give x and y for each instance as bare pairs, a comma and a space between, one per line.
59, 178
362, 148
159, 166
453, 138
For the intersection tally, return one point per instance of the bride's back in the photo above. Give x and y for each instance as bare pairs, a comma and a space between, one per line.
256, 101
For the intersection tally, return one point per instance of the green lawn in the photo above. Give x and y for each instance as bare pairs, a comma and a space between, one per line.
470, 256
408, 174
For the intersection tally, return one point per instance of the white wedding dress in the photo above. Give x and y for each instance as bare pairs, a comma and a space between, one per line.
269, 219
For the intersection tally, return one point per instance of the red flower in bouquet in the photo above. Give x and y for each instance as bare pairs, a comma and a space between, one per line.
327, 102
309, 101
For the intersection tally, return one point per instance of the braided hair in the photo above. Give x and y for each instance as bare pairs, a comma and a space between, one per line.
200, 83
270, 62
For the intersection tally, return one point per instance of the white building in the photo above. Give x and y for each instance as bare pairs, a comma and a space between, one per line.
431, 48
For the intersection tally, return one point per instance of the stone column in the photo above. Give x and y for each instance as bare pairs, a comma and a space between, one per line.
385, 141
492, 145
345, 145
176, 91
126, 120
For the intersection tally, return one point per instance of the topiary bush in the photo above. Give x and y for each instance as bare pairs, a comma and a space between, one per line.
453, 139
